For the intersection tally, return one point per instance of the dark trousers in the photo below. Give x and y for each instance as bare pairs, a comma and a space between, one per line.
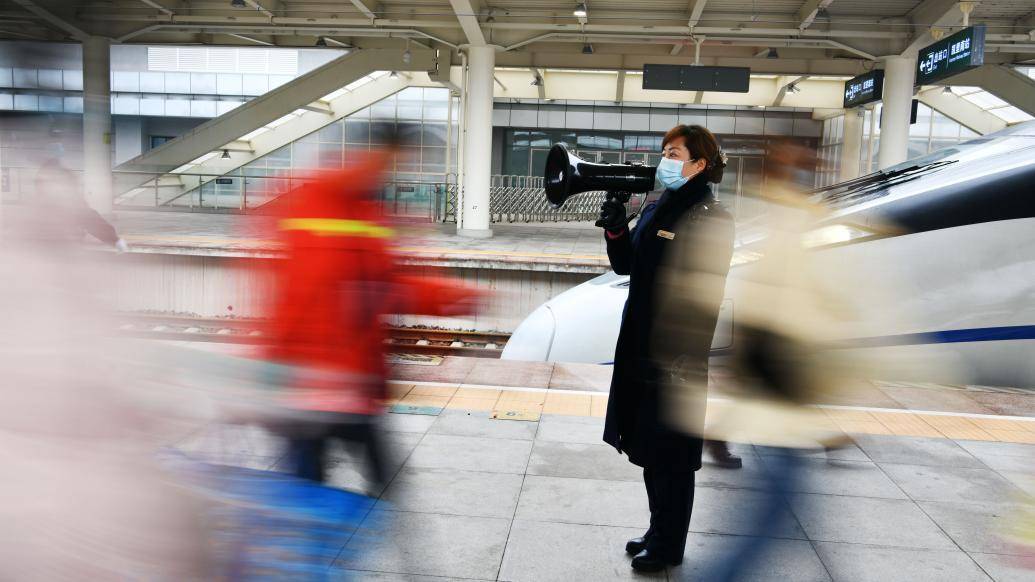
670, 496
307, 452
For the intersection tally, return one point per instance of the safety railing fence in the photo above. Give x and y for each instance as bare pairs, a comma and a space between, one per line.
411, 200
516, 199
512, 199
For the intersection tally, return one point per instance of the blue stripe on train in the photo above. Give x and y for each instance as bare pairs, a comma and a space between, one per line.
952, 336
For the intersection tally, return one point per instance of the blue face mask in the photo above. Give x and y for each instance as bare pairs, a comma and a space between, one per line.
670, 173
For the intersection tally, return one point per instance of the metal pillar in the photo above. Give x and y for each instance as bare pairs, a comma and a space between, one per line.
851, 147
474, 221
97, 177
898, 97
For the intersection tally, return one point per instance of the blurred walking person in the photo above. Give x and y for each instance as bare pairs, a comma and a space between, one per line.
783, 324
330, 296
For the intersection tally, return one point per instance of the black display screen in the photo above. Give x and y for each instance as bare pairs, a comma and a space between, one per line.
951, 55
865, 88
696, 78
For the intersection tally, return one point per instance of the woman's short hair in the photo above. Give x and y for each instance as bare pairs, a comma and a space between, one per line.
702, 145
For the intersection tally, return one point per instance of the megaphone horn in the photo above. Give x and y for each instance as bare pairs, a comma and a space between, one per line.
568, 175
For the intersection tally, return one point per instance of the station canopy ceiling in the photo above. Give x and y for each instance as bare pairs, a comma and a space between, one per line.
814, 37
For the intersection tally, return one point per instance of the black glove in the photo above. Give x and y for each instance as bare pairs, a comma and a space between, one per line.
612, 216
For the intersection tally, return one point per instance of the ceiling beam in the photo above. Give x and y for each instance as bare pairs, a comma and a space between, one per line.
676, 49
260, 8
250, 39
368, 8
930, 15
541, 86
808, 12
696, 8
158, 7
52, 19
785, 89
468, 18
960, 110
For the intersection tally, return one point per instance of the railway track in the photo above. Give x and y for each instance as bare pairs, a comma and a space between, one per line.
408, 340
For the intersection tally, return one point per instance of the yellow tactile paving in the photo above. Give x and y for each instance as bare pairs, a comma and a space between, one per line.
990, 424
842, 415
457, 403
858, 427
397, 391
444, 391
479, 393
956, 427
418, 400
904, 424
569, 404
521, 396
535, 402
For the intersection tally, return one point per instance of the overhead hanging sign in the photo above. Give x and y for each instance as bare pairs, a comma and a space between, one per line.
951, 55
865, 88
696, 78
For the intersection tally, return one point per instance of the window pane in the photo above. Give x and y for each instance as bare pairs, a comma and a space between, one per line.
305, 155
516, 161
433, 160
408, 160
409, 133
381, 131
434, 134
357, 131
330, 155
332, 133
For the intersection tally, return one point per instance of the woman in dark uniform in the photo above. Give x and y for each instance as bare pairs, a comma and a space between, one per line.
635, 423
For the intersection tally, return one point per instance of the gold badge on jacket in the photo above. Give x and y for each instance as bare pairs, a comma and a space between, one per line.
666, 234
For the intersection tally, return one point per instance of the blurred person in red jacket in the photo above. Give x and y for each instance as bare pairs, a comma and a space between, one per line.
331, 295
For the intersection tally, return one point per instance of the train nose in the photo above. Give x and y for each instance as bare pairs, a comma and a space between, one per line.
533, 339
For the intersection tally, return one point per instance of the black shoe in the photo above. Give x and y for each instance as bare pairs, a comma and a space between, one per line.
635, 545
722, 456
651, 561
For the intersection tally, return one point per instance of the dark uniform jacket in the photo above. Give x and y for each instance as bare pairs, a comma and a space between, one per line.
634, 423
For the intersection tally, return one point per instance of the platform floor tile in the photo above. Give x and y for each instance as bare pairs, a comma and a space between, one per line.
565, 552
974, 527
581, 461
473, 493
722, 510
585, 501
1005, 568
780, 560
861, 520
464, 453
861, 563
938, 452
833, 477
478, 424
429, 544
953, 484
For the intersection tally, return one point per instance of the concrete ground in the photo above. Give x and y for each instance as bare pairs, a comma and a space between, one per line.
474, 498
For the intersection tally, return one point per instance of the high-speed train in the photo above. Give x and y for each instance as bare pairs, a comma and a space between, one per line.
962, 262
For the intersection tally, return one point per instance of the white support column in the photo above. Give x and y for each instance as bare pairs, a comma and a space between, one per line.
474, 221
97, 177
851, 147
898, 97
